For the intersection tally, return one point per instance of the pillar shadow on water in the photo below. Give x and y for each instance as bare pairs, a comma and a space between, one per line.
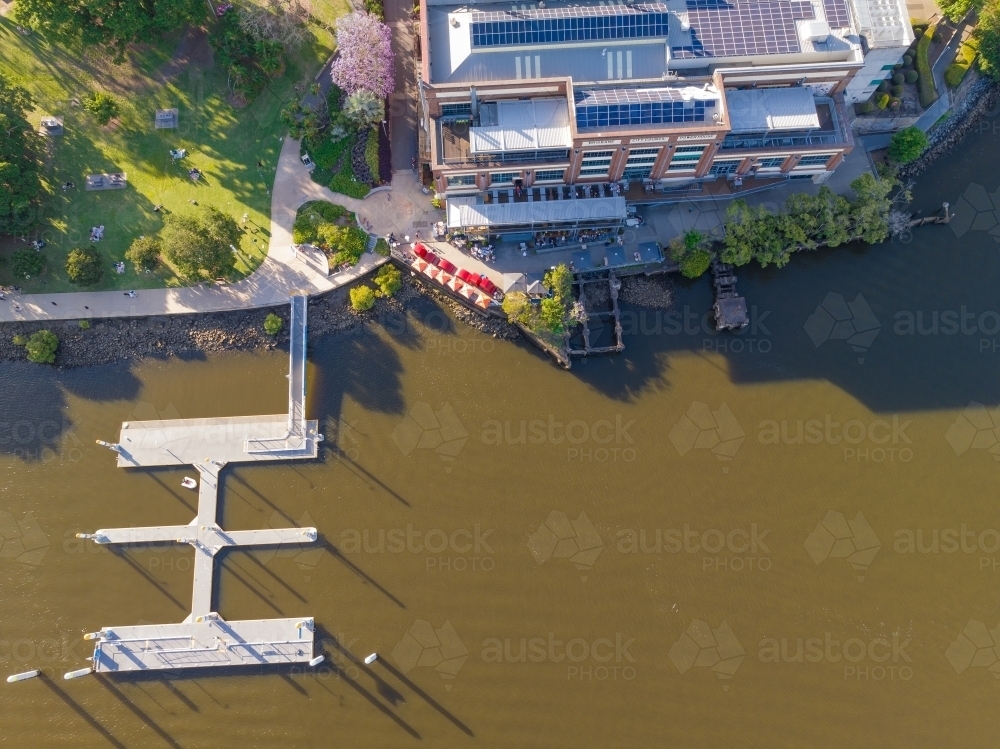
79, 710
385, 690
136, 710
122, 552
424, 696
339, 556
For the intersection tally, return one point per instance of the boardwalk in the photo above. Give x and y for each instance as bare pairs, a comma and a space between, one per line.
204, 638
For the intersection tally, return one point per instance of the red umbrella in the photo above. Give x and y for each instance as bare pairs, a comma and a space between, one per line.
464, 275
487, 285
419, 250
474, 279
447, 265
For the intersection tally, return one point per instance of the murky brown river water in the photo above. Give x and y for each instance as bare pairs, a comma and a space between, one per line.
709, 541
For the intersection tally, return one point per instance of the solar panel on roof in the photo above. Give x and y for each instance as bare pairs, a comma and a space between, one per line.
554, 25
741, 29
837, 14
623, 107
803, 11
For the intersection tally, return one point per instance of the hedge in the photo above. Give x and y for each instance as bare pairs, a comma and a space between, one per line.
925, 83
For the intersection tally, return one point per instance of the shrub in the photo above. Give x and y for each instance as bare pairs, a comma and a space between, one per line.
84, 266
897, 79
894, 103
925, 83
103, 106
19, 340
327, 153
345, 183
41, 347
954, 74
517, 307
389, 280
144, 253
84, 324
364, 109
897, 91
907, 145
882, 101
345, 244
272, 324
27, 263
884, 85
907, 60
311, 217
362, 298
695, 263
865, 107
911, 76
382, 247
371, 156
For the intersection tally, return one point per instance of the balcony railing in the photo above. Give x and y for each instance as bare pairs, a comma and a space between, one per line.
733, 142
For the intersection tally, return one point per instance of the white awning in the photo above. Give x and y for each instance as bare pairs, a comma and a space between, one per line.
761, 110
464, 214
524, 126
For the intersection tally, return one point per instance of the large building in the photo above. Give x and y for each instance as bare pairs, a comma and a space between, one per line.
517, 97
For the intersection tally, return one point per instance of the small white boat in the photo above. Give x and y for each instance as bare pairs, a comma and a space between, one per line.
189, 483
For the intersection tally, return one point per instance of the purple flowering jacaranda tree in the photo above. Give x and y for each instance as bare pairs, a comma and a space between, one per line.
365, 60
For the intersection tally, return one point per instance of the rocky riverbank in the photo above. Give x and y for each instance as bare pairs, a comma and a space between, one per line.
122, 339
981, 100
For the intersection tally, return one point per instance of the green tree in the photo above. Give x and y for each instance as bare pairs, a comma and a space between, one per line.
107, 22
870, 208
552, 315
199, 245
907, 145
987, 32
27, 263
144, 253
559, 281
42, 346
362, 298
270, 57
103, 106
695, 263
364, 109
20, 186
389, 280
956, 10
84, 266
517, 307
272, 324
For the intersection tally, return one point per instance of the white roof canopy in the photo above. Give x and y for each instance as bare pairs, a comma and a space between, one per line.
462, 212
525, 126
765, 109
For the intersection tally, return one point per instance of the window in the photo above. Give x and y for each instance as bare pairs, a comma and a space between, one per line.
549, 175
772, 162
643, 152
725, 166
601, 171
456, 110
817, 159
462, 180
637, 172
504, 178
594, 155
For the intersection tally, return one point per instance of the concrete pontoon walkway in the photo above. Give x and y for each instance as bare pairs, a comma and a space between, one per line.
204, 638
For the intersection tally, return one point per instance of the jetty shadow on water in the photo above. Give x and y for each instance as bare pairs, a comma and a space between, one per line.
33, 403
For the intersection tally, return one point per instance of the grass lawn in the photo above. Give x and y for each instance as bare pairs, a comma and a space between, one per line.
223, 142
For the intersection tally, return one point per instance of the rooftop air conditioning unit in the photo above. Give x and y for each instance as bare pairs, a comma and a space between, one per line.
816, 31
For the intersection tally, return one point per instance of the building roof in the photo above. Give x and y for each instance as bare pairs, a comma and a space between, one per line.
463, 50
524, 125
764, 109
465, 212
883, 23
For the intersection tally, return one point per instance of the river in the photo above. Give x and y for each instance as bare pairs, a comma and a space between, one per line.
777, 539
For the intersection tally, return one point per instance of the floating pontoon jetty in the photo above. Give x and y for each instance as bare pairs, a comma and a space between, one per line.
204, 638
